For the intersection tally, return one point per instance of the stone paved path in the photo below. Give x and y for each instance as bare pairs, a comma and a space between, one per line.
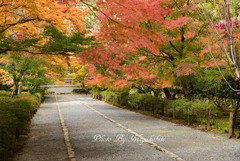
99, 132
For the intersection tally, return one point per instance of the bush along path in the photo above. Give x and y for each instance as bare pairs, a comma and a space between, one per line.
204, 116
15, 116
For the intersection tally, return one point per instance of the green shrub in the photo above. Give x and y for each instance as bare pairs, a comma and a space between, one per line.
15, 115
108, 96
96, 94
147, 102
122, 98
8, 126
5, 100
39, 97
22, 109
196, 111
25, 107
35, 98
5, 93
41, 91
118, 98
81, 90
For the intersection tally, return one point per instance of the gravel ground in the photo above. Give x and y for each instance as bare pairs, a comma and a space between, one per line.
188, 143
95, 138
46, 142
61, 89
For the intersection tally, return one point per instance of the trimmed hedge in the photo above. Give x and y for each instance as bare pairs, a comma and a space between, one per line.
36, 98
144, 102
15, 116
4, 100
81, 91
40, 92
147, 102
118, 98
188, 111
8, 126
5, 93
195, 111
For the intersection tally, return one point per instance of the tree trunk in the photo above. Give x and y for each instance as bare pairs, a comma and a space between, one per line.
20, 88
174, 95
16, 81
167, 93
83, 85
156, 92
185, 90
15, 89
139, 89
235, 116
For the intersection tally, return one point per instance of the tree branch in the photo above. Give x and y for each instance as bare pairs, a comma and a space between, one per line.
105, 15
174, 47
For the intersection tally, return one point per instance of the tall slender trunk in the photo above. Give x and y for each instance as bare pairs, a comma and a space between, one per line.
185, 90
139, 88
235, 116
21, 84
20, 88
15, 88
167, 93
16, 81
156, 92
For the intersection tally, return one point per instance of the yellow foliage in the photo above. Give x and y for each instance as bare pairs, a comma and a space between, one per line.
60, 82
29, 16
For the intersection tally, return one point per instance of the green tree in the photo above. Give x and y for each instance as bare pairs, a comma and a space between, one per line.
22, 68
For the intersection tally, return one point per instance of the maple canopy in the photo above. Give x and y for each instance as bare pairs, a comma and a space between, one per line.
151, 44
46, 27
25, 24
146, 44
